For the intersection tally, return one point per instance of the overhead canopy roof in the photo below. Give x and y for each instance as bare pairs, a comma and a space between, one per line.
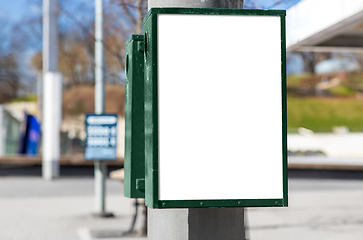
325, 25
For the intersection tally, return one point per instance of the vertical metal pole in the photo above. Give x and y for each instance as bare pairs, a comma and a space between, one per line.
50, 36
100, 175
99, 58
52, 92
100, 166
195, 224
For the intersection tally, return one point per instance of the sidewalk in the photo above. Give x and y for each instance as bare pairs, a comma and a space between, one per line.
34, 209
325, 163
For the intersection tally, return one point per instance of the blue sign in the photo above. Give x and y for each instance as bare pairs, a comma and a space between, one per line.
101, 137
30, 138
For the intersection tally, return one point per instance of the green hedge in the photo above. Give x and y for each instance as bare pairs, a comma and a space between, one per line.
322, 114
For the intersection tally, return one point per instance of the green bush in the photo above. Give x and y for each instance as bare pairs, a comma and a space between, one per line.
322, 114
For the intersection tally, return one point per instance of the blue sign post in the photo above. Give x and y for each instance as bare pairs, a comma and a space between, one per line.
101, 137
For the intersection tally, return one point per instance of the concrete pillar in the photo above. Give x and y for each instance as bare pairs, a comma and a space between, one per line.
216, 223
52, 92
196, 223
167, 224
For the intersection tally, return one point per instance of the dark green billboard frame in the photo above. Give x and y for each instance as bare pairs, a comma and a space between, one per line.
151, 113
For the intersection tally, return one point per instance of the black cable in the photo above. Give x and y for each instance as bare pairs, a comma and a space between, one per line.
131, 230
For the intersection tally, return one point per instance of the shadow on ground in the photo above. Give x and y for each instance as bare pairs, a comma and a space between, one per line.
88, 171
36, 170
325, 174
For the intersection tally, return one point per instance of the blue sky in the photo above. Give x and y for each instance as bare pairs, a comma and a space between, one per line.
14, 10
271, 4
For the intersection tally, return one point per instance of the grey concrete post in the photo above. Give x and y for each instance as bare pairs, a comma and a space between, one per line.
52, 92
196, 223
216, 223
167, 224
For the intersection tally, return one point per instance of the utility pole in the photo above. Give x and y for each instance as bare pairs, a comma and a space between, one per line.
52, 92
100, 167
196, 223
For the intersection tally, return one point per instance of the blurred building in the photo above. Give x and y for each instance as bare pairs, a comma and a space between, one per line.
10, 128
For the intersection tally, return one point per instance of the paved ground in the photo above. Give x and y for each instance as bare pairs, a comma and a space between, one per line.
31, 208
322, 205
342, 162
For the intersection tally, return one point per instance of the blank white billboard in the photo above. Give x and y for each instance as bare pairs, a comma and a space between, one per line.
220, 107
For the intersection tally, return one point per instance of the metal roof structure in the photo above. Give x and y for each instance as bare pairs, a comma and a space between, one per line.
325, 25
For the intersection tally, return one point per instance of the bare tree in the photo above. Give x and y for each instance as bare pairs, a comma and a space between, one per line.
9, 78
76, 40
310, 59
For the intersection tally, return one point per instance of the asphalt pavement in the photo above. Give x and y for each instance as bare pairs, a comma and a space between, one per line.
34, 209
322, 205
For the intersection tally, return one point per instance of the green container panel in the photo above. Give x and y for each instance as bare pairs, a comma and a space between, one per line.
134, 118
